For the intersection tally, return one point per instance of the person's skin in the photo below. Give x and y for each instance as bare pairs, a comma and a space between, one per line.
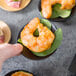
8, 51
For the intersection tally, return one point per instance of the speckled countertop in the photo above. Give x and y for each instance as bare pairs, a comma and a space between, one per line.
55, 65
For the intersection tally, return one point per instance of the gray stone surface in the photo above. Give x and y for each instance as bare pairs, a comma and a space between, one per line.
55, 65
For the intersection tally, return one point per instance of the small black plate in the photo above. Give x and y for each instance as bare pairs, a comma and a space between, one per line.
27, 53
12, 72
59, 18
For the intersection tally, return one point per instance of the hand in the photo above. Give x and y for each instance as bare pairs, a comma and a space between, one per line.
8, 51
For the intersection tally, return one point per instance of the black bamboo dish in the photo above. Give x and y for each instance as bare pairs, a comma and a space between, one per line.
28, 53
59, 18
12, 72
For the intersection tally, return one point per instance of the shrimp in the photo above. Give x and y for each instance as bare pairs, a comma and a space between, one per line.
21, 74
13, 3
46, 6
40, 43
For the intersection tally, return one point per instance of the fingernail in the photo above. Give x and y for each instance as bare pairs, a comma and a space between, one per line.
19, 46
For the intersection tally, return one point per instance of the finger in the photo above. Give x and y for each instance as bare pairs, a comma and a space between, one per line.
9, 50
18, 48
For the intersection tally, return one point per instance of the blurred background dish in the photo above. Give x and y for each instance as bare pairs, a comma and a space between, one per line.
19, 73
57, 13
5, 33
23, 4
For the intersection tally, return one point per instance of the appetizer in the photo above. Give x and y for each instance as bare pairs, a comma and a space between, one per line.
56, 8
21, 74
5, 33
40, 43
38, 37
14, 5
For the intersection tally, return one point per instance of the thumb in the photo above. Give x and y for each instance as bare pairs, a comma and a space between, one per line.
12, 50
17, 49
8, 51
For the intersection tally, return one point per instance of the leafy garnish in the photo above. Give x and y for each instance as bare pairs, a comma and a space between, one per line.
46, 23
36, 33
58, 12
16, 0
19, 41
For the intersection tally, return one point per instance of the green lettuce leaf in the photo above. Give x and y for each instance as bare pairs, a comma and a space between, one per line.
57, 11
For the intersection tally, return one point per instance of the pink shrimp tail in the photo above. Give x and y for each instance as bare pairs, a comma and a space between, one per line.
13, 4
